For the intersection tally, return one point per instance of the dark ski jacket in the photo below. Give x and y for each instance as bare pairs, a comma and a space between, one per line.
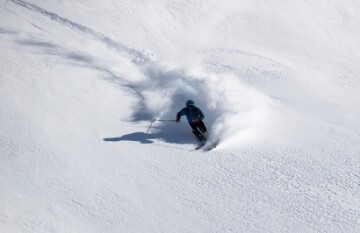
191, 114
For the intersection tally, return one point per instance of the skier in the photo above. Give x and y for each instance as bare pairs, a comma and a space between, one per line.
195, 117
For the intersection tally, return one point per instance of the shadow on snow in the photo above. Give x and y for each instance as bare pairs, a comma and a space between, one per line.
166, 133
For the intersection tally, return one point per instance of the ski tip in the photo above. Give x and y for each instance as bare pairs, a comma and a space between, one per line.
199, 147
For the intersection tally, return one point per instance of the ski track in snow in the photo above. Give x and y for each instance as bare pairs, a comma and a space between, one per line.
83, 29
176, 85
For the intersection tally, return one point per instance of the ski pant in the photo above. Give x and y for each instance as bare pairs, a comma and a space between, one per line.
199, 130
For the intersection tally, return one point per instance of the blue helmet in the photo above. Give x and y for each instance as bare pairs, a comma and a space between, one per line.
190, 103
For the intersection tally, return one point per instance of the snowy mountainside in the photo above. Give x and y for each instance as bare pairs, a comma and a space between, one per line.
81, 81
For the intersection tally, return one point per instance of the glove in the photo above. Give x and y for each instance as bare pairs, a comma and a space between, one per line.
177, 119
197, 119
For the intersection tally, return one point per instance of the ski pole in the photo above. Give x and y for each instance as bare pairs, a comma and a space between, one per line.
152, 122
164, 120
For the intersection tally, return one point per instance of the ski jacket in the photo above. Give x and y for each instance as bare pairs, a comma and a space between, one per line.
191, 114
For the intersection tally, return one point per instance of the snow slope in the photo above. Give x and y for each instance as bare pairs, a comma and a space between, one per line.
81, 81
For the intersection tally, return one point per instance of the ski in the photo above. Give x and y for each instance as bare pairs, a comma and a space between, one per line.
200, 146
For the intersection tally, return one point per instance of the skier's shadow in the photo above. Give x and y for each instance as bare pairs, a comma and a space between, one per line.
147, 138
137, 136
176, 134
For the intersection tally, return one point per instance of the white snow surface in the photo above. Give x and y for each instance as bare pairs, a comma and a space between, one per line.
278, 82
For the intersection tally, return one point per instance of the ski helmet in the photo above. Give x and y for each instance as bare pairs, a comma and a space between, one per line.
190, 103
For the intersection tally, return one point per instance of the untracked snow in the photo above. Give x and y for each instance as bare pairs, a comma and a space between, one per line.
82, 81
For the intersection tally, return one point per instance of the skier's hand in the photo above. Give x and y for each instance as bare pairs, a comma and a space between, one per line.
177, 119
197, 119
